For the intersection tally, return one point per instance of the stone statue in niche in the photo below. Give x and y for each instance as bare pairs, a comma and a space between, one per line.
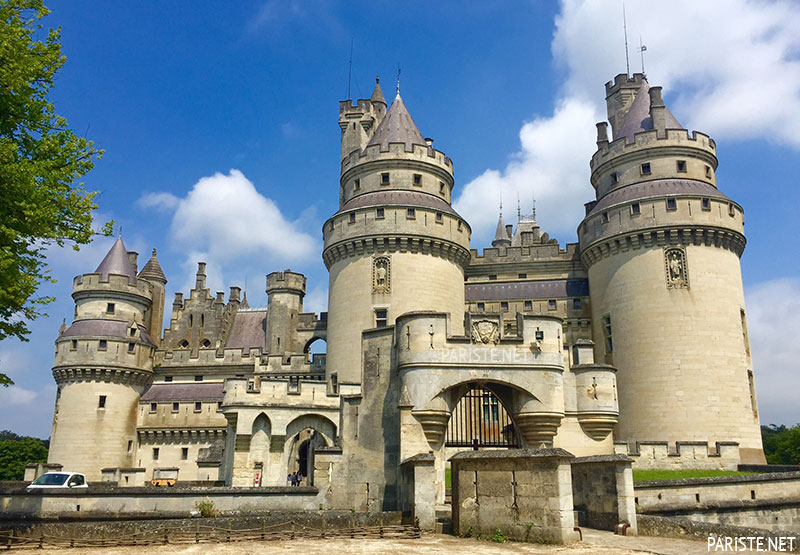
381, 276
486, 332
675, 267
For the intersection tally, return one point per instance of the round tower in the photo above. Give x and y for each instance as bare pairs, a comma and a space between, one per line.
662, 245
285, 292
396, 245
102, 364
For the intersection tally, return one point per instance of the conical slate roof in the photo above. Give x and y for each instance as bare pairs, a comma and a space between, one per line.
638, 117
152, 270
377, 94
397, 126
501, 238
117, 262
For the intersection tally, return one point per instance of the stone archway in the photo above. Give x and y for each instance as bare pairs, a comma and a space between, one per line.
304, 434
480, 420
260, 437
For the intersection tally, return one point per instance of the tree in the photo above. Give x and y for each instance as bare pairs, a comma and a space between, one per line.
41, 160
16, 453
781, 444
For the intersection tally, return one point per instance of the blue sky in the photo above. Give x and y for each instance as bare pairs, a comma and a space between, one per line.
219, 123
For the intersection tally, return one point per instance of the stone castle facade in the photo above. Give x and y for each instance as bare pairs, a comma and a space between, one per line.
633, 340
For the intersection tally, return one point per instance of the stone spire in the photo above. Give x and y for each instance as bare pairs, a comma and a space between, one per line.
397, 127
152, 270
244, 304
377, 94
117, 262
501, 238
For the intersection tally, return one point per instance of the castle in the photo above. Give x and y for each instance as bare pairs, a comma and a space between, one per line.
633, 340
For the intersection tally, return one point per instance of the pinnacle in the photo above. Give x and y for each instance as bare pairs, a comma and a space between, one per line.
377, 94
152, 270
397, 126
117, 262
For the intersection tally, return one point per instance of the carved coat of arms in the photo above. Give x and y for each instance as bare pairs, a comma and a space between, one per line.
486, 332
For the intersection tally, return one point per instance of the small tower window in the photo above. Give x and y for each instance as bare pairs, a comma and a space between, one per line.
441, 187
352, 217
706, 204
731, 210
576, 304
504, 305
356, 184
609, 344
379, 213
708, 172
439, 218
133, 332
381, 318
481, 307
167, 378
492, 277
417, 179
155, 453
153, 407
198, 406
184, 344
459, 225
411, 214
198, 378
551, 304
176, 407
191, 320
184, 453
604, 217
202, 320
102, 345
635, 209
131, 347
101, 402
672, 204
384, 179
523, 276
681, 166
110, 308
539, 335
206, 343
645, 168
74, 344
528, 305
614, 177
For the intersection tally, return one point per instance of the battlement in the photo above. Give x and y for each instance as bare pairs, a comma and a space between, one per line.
397, 151
649, 140
724, 455
286, 281
623, 80
347, 108
115, 283
207, 357
550, 250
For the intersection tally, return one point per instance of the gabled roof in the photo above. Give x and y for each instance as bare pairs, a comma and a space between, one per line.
152, 270
397, 126
638, 117
117, 262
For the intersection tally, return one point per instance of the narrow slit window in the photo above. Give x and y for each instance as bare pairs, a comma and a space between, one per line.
356, 184
441, 187
604, 217
101, 402
184, 453
155, 453
609, 344
614, 177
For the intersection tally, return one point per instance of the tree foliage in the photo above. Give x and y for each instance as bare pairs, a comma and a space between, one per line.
781, 444
16, 452
41, 161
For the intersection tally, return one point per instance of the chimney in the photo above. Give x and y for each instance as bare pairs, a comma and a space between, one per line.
602, 135
133, 258
200, 282
509, 230
658, 112
178, 302
235, 292
220, 297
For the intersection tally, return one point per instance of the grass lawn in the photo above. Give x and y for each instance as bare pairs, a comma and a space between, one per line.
647, 475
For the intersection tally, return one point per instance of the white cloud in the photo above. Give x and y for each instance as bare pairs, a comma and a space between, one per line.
164, 202
773, 307
15, 396
729, 68
316, 300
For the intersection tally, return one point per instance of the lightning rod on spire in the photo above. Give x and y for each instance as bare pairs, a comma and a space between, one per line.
519, 209
350, 70
533, 204
642, 49
625, 31
398, 80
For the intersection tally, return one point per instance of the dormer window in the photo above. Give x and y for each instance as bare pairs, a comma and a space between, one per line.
133, 332
384, 179
645, 168
417, 179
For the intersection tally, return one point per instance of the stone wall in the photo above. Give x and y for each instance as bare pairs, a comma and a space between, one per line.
724, 455
527, 495
602, 491
767, 501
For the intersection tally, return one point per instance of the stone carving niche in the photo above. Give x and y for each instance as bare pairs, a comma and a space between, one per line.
381, 274
675, 267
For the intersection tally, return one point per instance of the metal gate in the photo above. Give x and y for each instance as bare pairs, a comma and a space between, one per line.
481, 420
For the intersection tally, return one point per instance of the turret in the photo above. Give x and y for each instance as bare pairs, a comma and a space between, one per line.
358, 123
396, 245
153, 273
285, 292
102, 364
502, 238
662, 244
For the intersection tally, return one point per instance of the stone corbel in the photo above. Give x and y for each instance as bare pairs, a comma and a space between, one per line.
434, 425
538, 428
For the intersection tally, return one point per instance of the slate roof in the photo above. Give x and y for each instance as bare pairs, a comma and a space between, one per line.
103, 328
546, 289
152, 270
500, 235
377, 94
184, 391
117, 262
655, 188
398, 198
638, 117
397, 126
248, 331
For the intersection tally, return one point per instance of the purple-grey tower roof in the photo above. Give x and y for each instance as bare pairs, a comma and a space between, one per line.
638, 117
117, 262
397, 126
152, 270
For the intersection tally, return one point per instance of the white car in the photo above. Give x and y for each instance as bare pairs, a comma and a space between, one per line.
52, 480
